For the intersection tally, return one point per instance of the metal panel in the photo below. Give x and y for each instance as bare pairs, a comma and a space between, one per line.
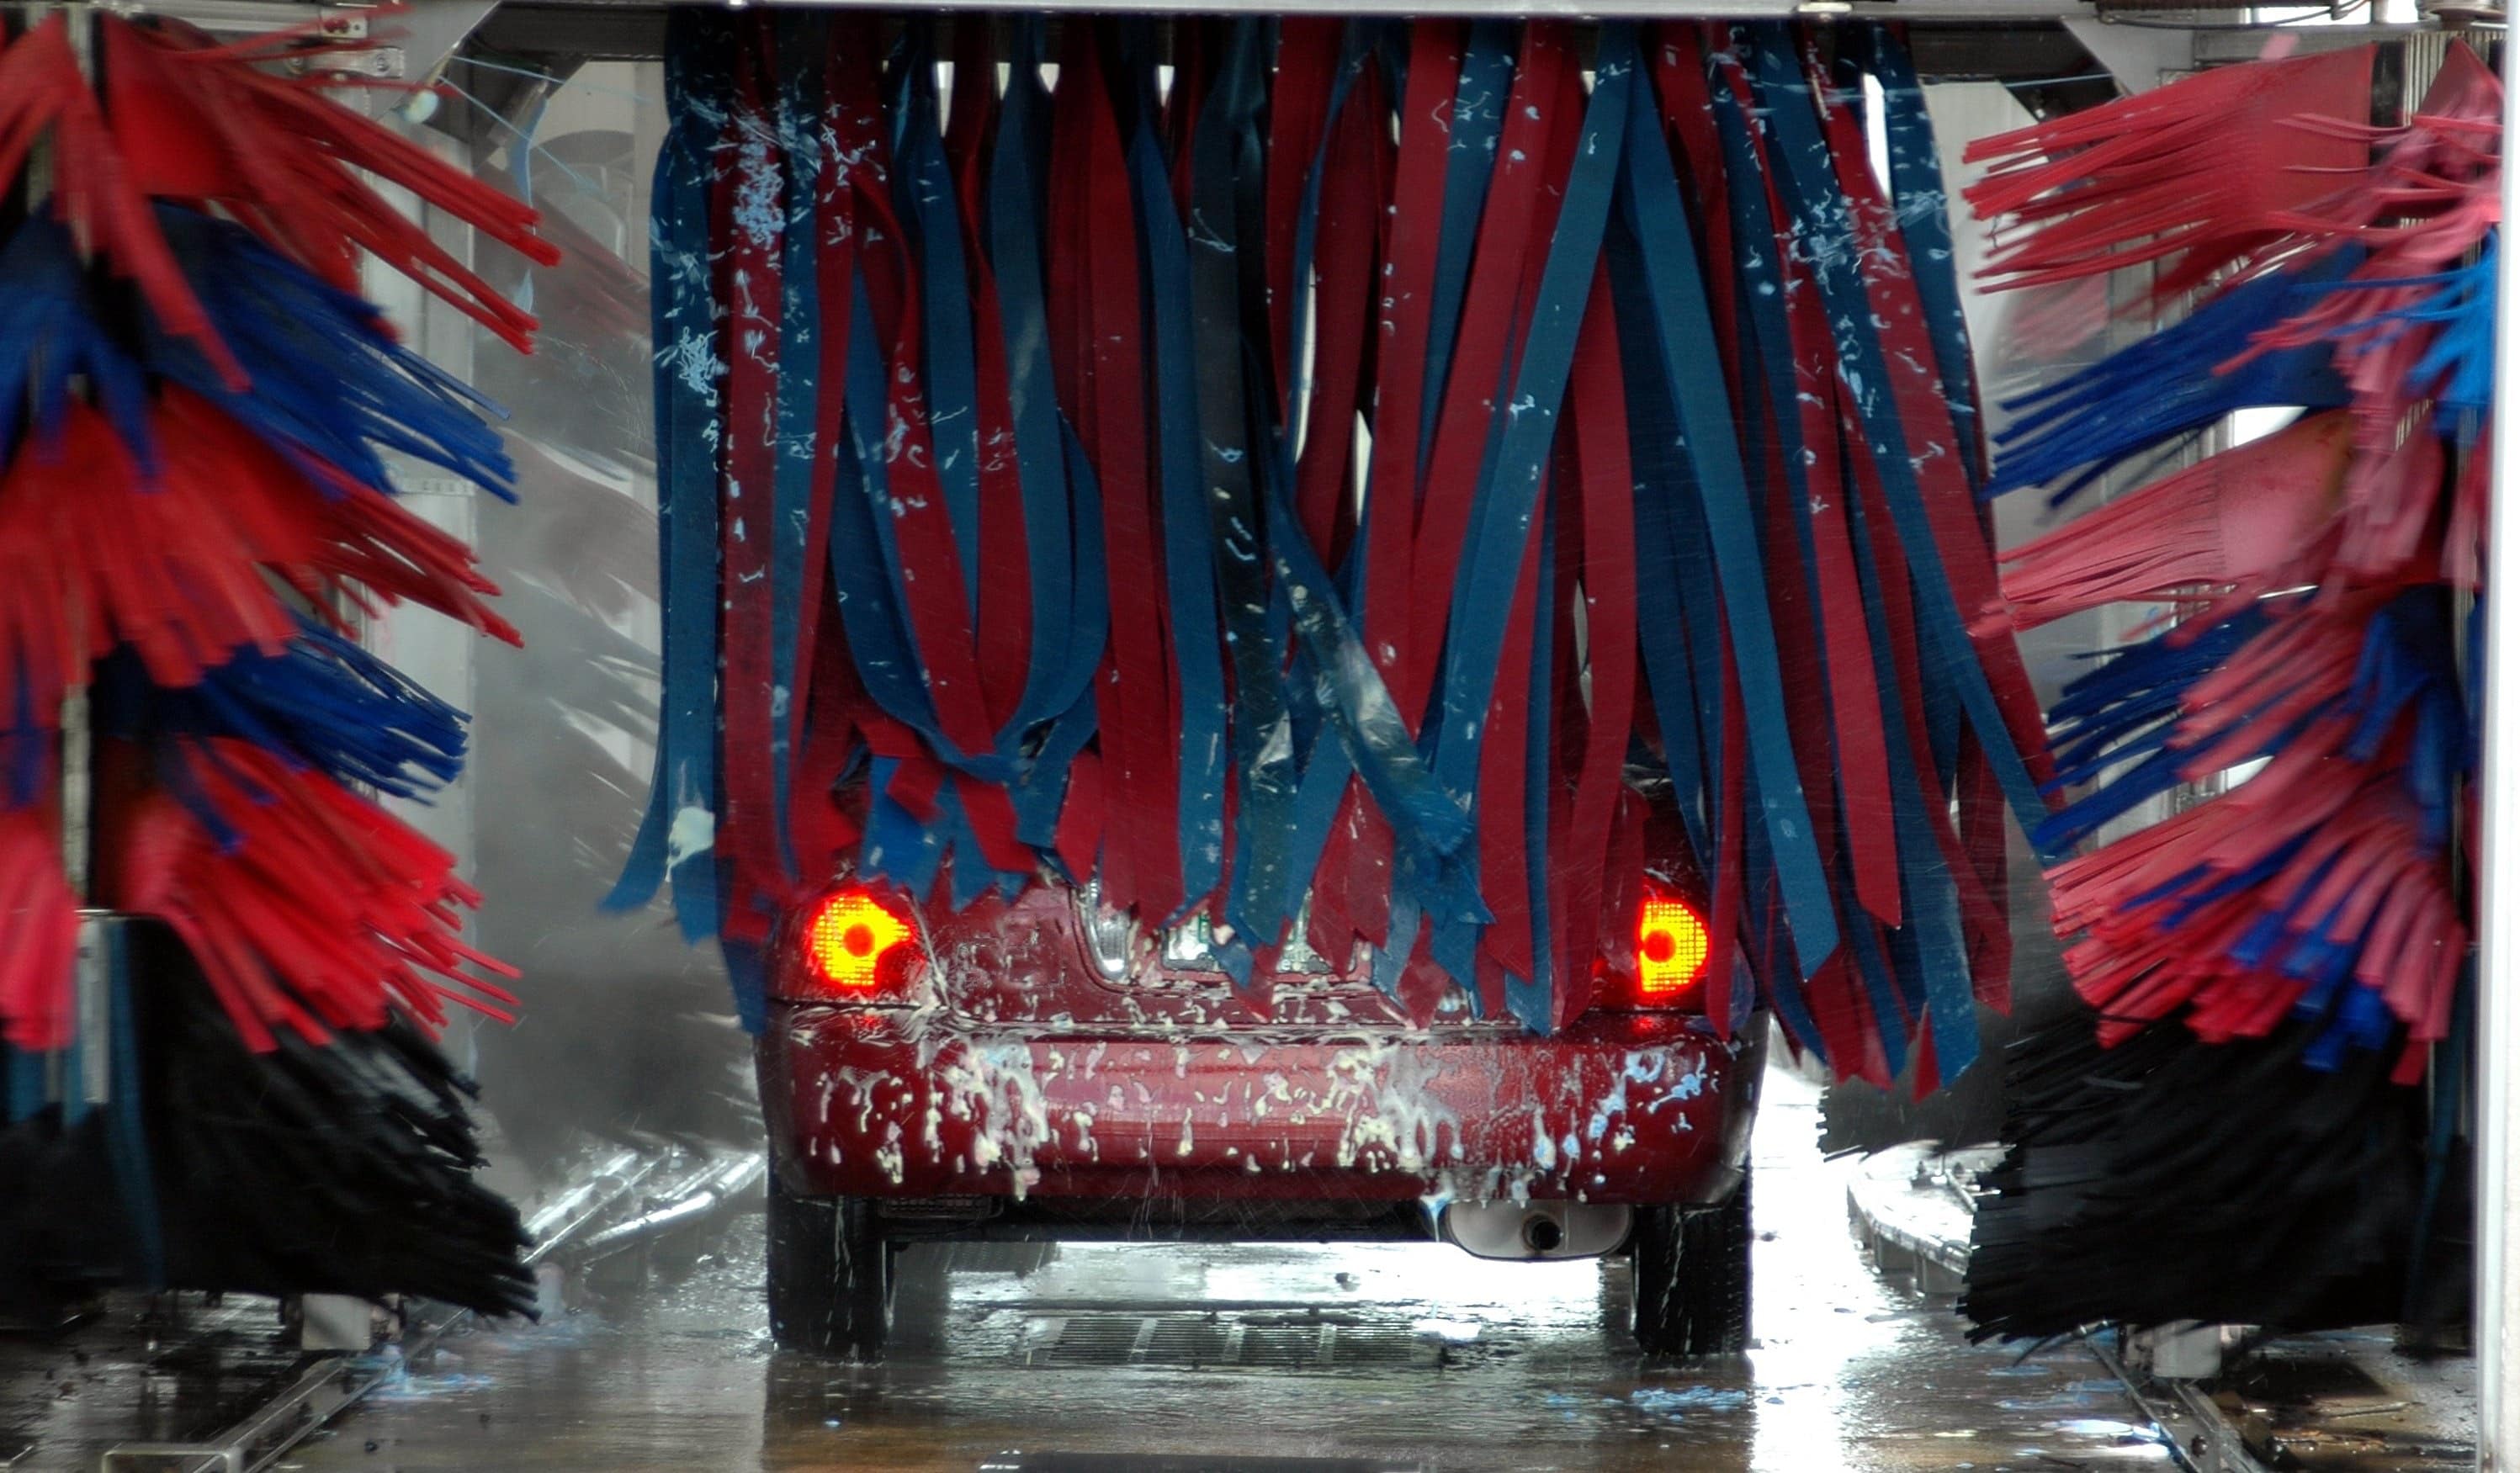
2497, 904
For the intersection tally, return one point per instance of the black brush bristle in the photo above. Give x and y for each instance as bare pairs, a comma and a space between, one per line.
345, 1168
2169, 1178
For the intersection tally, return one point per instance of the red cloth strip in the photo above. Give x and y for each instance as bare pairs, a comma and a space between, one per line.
1005, 628
1597, 397
1299, 95
1134, 696
1353, 213
1412, 230
821, 707
1505, 873
1355, 188
825, 835
1402, 328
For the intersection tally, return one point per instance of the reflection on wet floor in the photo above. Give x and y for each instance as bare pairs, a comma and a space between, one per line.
154, 1371
1379, 1357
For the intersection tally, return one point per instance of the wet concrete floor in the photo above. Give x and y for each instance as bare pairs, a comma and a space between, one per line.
1380, 1357
144, 1370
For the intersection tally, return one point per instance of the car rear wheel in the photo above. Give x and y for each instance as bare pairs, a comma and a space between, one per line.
831, 1274
1692, 1277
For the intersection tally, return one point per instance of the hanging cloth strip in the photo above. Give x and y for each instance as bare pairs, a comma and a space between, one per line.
1097, 333
1439, 129
677, 841
1062, 519
1677, 305
747, 208
1339, 229
1090, 573
1225, 221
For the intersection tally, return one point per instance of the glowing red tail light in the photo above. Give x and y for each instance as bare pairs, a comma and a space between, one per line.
854, 945
1672, 950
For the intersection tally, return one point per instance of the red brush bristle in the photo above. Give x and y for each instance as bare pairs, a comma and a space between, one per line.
2248, 521
36, 1011
185, 119
2197, 174
323, 911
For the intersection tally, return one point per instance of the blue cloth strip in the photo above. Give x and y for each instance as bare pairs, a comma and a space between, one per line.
1228, 287
1478, 118
924, 198
678, 836
1190, 569
1064, 549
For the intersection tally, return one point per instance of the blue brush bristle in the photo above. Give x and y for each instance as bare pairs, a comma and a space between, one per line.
2121, 711
325, 380
324, 704
2457, 370
2168, 385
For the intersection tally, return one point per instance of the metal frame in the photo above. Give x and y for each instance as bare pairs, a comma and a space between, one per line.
1996, 40
2496, 1333
1950, 43
2201, 1438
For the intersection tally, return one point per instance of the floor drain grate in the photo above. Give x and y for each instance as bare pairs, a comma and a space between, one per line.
1199, 1340
1052, 1461
1189, 1342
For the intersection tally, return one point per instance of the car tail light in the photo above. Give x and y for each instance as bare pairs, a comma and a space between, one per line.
855, 946
1672, 950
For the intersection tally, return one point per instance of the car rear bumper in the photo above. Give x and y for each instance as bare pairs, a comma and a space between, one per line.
1631, 1108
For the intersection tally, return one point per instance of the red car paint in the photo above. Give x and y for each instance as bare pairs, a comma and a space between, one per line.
1014, 1068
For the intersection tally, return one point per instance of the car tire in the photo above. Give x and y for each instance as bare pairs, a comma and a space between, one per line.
1691, 1270
831, 1275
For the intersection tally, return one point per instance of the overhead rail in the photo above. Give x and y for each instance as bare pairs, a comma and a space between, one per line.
1952, 40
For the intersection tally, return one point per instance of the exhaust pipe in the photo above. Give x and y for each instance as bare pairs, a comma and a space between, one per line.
1536, 1229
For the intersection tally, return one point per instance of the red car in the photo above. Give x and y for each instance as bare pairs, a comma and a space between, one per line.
1046, 1068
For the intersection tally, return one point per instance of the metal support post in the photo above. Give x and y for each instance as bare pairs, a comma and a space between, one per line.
2498, 922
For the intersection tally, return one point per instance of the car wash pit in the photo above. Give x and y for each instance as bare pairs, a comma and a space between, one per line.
1350, 1356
